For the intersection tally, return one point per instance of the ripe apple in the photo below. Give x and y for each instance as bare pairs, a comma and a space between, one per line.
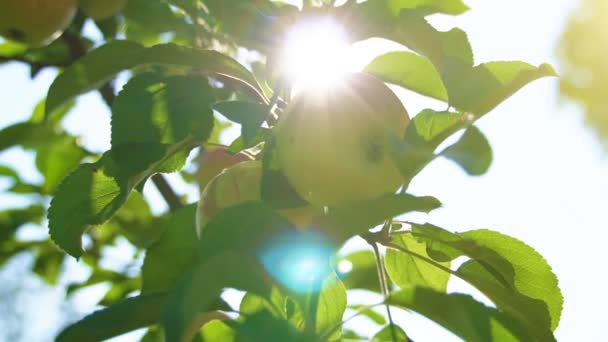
238, 184
101, 9
214, 161
35, 22
333, 146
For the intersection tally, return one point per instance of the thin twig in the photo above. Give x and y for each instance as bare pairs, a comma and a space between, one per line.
384, 287
167, 192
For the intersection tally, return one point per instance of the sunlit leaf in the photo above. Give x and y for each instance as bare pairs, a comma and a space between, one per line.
87, 196
103, 63
462, 315
369, 312
424, 133
217, 331
503, 279
407, 271
472, 152
354, 218
478, 90
152, 108
533, 276
410, 71
448, 51
56, 159
390, 333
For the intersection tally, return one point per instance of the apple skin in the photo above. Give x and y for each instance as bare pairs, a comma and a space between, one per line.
239, 184
35, 22
333, 146
102, 9
214, 161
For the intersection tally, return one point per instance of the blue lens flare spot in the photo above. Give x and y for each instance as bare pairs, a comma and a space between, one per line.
299, 260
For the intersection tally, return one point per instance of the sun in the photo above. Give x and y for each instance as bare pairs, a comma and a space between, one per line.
315, 52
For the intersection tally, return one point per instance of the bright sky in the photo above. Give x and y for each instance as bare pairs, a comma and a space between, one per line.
547, 185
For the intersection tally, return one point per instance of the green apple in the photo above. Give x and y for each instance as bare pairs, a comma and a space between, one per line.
333, 146
102, 9
239, 184
214, 161
35, 22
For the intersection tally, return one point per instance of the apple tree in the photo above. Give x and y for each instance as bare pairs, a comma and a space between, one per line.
316, 165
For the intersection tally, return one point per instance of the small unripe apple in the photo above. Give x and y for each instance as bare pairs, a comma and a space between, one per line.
35, 22
239, 184
333, 146
214, 161
102, 9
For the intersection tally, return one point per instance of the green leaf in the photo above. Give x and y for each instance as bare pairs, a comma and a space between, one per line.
10, 49
54, 118
377, 18
407, 271
128, 315
462, 315
56, 159
173, 253
478, 90
369, 313
448, 51
472, 152
155, 109
533, 276
351, 219
147, 21
87, 196
201, 287
263, 326
410, 71
93, 192
12, 219
26, 134
250, 115
239, 143
424, 133
502, 269
390, 333
217, 331
274, 303
135, 221
244, 227
331, 307
364, 273
48, 264
103, 63
156, 122
228, 252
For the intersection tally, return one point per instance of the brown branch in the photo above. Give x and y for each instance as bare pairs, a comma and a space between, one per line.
167, 192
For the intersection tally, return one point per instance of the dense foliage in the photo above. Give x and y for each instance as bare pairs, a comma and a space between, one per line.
183, 72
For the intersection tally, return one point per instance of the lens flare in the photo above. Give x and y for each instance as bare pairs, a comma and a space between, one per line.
300, 260
315, 52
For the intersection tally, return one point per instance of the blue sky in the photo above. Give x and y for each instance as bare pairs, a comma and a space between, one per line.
547, 185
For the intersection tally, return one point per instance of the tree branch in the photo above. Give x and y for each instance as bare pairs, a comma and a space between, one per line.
167, 192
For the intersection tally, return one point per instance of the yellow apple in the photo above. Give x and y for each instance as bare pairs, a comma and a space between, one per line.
35, 22
239, 184
332, 145
214, 161
102, 9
